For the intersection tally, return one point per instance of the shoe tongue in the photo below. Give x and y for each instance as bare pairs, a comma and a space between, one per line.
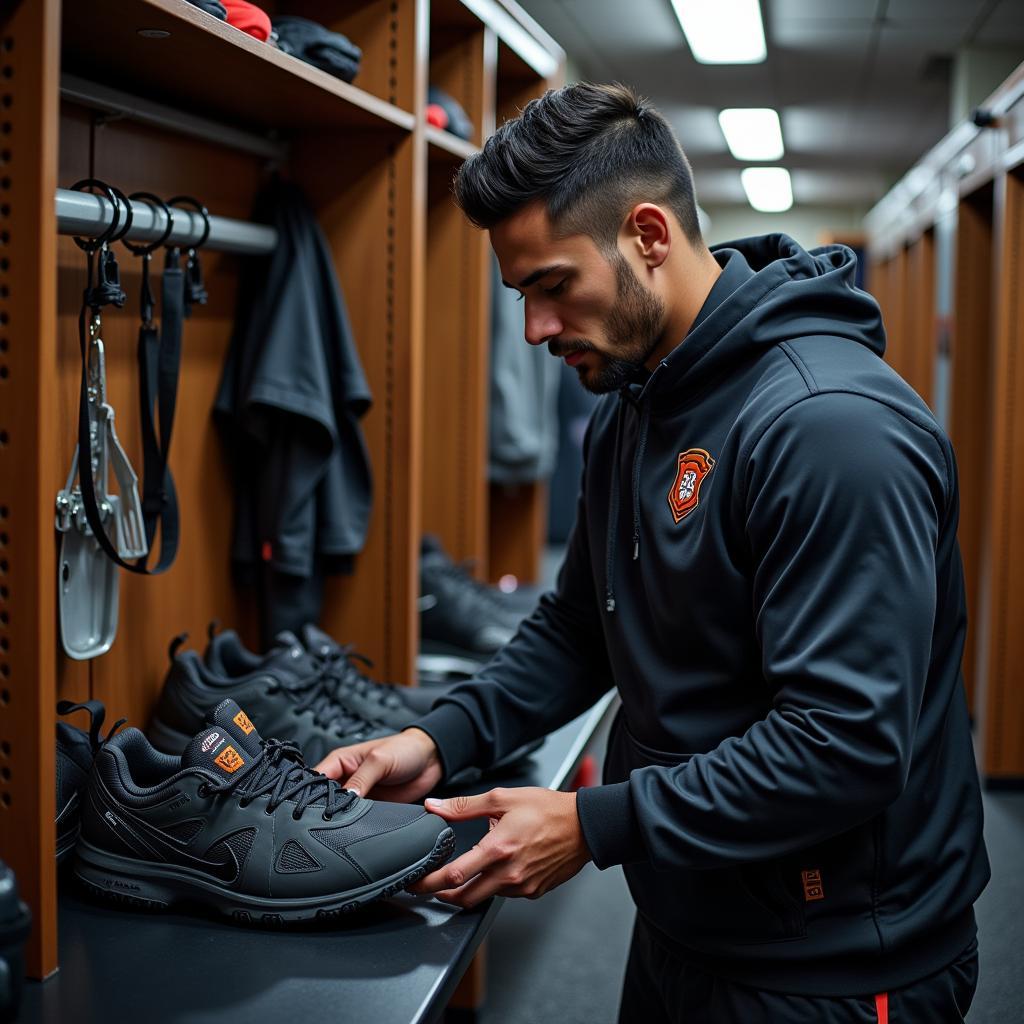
317, 642
229, 743
289, 654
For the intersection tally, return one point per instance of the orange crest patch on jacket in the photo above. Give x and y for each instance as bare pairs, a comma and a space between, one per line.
694, 465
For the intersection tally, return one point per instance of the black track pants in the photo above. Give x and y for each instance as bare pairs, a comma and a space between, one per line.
662, 988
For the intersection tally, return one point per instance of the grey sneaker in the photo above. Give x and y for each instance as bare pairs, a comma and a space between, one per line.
393, 706
285, 696
241, 824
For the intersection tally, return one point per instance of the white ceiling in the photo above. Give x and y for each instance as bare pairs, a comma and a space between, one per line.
848, 77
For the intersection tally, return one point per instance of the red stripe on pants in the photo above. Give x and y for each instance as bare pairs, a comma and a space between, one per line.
882, 1007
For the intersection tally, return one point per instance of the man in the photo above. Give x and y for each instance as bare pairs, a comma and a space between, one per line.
765, 565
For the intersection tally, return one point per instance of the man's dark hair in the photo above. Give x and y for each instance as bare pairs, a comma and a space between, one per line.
590, 152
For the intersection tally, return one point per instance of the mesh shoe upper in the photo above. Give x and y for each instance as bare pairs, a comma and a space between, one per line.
246, 814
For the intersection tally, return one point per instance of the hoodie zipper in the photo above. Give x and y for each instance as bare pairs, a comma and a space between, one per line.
638, 462
613, 517
644, 405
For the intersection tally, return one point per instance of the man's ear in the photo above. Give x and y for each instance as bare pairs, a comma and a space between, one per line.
649, 232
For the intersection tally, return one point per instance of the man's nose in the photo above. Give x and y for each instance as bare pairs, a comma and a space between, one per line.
541, 326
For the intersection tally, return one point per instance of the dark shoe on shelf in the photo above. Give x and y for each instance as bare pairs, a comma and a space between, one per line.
459, 615
15, 922
241, 824
75, 752
390, 705
287, 698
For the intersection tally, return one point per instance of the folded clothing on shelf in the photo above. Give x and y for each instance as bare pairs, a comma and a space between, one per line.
214, 7
330, 51
458, 122
249, 18
242, 825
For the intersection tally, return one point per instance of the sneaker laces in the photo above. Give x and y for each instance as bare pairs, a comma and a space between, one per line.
340, 663
317, 693
280, 770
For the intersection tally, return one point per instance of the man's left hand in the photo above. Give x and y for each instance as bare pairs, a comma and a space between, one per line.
535, 843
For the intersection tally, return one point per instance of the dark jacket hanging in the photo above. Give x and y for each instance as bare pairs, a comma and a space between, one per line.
289, 404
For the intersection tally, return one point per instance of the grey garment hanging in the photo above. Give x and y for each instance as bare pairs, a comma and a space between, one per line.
524, 395
290, 400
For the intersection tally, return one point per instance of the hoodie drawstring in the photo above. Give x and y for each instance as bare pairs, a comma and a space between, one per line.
613, 517
638, 462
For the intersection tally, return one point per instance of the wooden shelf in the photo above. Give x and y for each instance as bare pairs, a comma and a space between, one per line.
445, 146
213, 69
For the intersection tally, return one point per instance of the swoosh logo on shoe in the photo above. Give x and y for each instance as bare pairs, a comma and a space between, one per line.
426, 602
169, 849
69, 809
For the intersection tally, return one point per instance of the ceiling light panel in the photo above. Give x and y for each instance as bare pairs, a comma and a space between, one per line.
752, 133
723, 32
768, 189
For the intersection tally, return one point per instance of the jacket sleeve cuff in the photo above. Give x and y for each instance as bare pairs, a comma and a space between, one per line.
610, 826
453, 732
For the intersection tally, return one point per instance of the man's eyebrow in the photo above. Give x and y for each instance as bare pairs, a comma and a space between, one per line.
535, 276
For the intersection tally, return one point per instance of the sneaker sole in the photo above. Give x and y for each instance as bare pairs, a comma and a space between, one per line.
148, 886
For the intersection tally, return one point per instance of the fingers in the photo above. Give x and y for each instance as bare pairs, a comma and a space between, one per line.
459, 871
342, 761
476, 892
375, 766
462, 808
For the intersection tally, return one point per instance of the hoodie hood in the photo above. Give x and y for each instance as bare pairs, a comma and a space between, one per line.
770, 290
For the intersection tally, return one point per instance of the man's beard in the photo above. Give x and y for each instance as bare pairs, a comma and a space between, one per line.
634, 326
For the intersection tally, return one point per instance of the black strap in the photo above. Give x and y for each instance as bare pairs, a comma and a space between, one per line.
97, 712
159, 358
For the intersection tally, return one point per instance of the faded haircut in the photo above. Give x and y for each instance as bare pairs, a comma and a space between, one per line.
591, 153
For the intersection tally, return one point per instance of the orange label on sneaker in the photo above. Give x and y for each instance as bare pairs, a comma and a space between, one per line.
229, 760
243, 723
812, 885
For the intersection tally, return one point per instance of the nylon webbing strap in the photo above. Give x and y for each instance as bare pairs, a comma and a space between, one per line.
159, 365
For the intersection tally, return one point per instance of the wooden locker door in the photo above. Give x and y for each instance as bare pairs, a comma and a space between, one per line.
970, 417
29, 60
920, 317
896, 294
1001, 698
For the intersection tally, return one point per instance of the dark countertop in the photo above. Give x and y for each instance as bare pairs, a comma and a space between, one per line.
395, 962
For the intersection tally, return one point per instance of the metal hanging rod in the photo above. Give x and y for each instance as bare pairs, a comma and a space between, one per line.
125, 105
83, 213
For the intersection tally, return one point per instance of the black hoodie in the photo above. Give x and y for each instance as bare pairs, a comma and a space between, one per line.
765, 565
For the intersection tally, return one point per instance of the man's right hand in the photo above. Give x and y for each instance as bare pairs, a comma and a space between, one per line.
404, 767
